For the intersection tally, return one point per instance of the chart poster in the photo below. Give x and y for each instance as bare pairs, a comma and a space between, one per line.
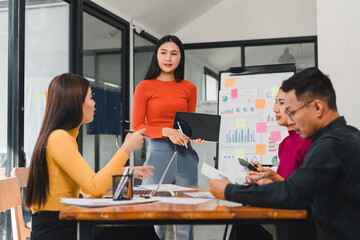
249, 129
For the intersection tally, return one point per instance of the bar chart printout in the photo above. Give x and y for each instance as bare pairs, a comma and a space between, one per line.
240, 136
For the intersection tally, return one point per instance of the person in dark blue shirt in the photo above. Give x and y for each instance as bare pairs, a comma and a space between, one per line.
329, 178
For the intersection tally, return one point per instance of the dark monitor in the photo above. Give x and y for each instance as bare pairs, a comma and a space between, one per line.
198, 125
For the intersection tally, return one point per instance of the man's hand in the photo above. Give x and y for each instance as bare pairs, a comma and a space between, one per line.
217, 187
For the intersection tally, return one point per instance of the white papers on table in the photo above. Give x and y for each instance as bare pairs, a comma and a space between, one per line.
163, 187
181, 200
229, 203
213, 173
209, 195
100, 202
200, 194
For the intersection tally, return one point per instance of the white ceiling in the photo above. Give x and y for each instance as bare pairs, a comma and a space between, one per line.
204, 17
163, 16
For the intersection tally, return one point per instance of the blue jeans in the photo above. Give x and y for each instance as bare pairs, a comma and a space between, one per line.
183, 171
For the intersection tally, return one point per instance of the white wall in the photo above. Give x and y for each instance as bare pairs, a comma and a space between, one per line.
339, 52
255, 19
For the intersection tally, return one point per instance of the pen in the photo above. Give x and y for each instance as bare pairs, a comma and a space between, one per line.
182, 133
117, 195
130, 131
261, 177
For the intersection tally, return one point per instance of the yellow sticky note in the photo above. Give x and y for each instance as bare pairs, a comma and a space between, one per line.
229, 82
37, 97
240, 122
274, 90
240, 153
260, 149
259, 103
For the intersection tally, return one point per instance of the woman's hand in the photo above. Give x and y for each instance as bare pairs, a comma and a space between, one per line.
175, 136
274, 177
196, 141
142, 172
252, 175
133, 141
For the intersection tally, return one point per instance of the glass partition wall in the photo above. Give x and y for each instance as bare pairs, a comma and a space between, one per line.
5, 232
143, 51
4, 15
46, 56
102, 66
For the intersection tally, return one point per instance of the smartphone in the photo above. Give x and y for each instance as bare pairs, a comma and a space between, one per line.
246, 164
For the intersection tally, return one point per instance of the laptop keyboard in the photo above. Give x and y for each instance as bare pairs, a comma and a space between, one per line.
142, 192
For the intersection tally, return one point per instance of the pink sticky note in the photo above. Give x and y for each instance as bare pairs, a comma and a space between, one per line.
234, 93
275, 136
261, 127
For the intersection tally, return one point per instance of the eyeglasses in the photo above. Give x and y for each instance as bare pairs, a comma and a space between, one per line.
291, 114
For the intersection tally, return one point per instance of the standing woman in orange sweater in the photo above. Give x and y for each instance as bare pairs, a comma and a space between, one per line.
164, 92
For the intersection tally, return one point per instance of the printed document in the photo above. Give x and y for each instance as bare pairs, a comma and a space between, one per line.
213, 173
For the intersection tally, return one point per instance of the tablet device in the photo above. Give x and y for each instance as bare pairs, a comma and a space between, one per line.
198, 125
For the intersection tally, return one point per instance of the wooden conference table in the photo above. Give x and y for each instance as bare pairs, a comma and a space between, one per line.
166, 213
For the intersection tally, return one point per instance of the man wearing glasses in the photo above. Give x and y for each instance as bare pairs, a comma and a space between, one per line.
329, 178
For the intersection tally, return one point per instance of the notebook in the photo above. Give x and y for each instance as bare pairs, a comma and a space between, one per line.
150, 193
198, 125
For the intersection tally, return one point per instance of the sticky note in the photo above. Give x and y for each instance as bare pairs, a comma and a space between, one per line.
37, 97
260, 149
275, 136
261, 127
234, 93
259, 103
45, 94
240, 153
229, 82
274, 90
240, 122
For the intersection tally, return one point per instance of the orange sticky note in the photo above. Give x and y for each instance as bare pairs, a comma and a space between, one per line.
45, 93
259, 103
229, 82
260, 149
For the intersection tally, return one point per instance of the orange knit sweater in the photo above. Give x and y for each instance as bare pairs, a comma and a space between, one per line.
155, 103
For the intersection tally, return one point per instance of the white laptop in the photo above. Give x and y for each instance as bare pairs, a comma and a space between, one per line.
150, 193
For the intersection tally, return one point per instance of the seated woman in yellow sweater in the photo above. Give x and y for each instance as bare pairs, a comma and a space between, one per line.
58, 170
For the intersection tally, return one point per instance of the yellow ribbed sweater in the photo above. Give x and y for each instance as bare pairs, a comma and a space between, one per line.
69, 173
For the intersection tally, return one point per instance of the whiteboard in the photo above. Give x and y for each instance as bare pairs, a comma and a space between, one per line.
248, 124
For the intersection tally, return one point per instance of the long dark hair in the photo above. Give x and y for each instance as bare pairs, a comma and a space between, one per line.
154, 69
65, 97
